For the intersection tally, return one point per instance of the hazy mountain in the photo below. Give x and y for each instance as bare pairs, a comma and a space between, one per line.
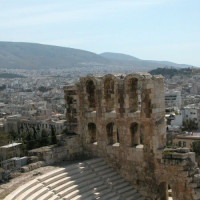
30, 55
119, 56
148, 63
39, 56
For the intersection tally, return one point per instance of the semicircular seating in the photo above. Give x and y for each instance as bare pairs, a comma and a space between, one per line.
88, 180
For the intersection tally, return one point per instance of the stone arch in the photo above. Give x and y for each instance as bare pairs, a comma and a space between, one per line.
134, 132
170, 192
92, 131
110, 133
109, 92
90, 90
133, 92
163, 191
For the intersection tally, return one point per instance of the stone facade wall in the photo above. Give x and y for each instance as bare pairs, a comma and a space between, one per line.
121, 118
52, 154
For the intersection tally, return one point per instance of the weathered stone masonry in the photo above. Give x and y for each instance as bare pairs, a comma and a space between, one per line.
121, 118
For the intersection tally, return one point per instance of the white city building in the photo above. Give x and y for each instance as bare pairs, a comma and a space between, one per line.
173, 99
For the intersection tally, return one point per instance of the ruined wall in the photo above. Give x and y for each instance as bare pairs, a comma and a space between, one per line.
52, 154
121, 118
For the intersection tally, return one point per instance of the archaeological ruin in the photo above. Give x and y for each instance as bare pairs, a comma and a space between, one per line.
122, 119
119, 122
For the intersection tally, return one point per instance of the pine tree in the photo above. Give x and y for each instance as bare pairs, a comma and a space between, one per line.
44, 139
30, 142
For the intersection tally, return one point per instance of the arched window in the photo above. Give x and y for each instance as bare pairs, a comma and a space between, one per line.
92, 132
110, 134
146, 102
90, 89
109, 94
163, 191
133, 94
170, 194
117, 136
134, 134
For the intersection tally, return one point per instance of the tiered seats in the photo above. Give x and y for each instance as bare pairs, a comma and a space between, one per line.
89, 180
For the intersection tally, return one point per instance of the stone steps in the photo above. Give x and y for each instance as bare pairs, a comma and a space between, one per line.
84, 186
62, 175
83, 189
14, 195
47, 195
76, 181
89, 180
37, 194
30, 191
92, 194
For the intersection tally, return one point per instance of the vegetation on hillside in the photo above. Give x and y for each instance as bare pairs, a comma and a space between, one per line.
190, 125
30, 140
171, 71
10, 75
196, 147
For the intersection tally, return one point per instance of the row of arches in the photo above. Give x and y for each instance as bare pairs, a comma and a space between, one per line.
132, 91
113, 134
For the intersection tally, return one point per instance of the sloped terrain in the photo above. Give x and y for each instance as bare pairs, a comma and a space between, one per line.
21, 55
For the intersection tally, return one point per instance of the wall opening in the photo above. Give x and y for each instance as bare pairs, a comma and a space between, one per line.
92, 132
141, 137
163, 191
90, 89
134, 134
117, 136
146, 102
110, 134
133, 94
170, 192
109, 94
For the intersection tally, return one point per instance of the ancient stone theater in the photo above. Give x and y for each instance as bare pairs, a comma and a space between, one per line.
117, 124
121, 118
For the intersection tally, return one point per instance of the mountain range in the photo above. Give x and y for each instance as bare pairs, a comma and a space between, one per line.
21, 55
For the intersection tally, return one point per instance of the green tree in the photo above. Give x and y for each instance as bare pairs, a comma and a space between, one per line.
190, 125
30, 142
4, 138
13, 135
53, 135
44, 139
196, 147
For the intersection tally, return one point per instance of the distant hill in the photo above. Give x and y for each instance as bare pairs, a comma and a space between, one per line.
146, 63
119, 56
30, 55
20, 55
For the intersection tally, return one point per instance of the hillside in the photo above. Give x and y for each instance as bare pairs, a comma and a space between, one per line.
169, 72
29, 55
21, 55
10, 75
145, 63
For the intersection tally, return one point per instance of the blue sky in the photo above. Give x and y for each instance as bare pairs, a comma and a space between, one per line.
147, 29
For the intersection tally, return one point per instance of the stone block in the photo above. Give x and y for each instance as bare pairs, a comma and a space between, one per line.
183, 150
179, 156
